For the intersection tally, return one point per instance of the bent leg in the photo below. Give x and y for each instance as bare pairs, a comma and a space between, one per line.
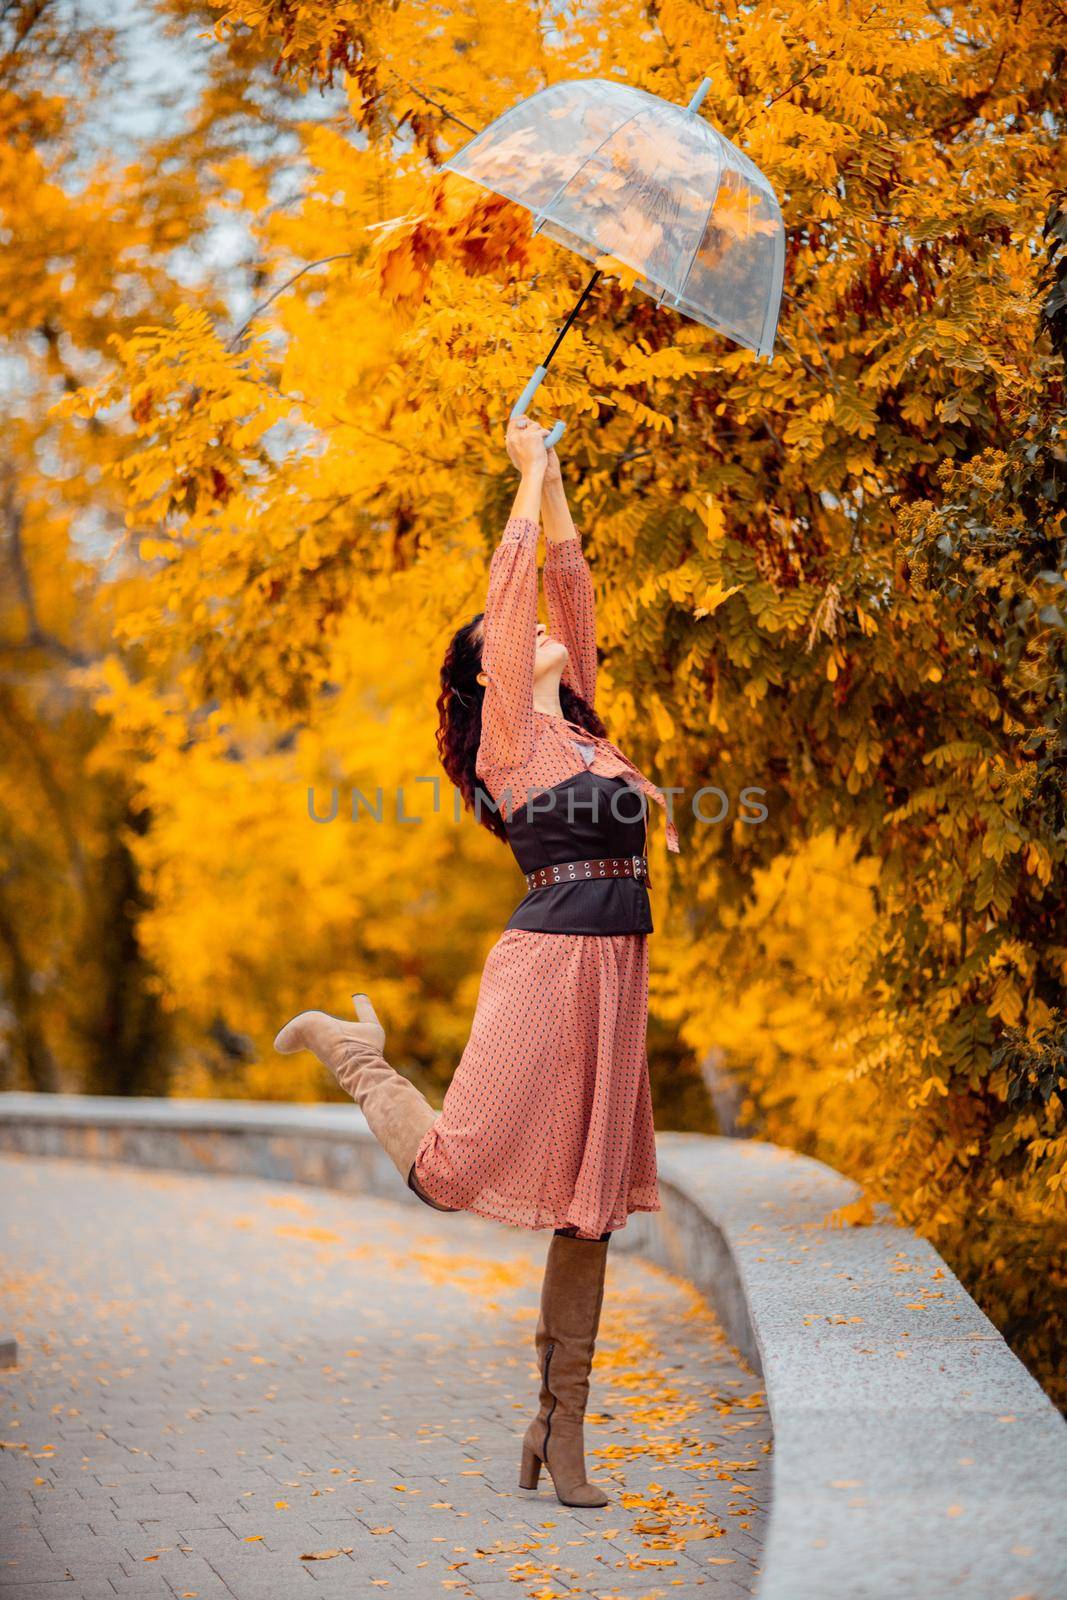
398, 1114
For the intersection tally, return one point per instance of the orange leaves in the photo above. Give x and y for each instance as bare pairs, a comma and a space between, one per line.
836, 660
310, 43
201, 412
315, 1235
487, 235
857, 1214
751, 1402
613, 267
855, 413
490, 234
404, 265
668, 1523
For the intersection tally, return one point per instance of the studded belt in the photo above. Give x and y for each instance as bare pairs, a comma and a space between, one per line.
578, 871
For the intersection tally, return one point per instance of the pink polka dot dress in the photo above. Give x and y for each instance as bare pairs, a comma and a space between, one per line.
547, 1122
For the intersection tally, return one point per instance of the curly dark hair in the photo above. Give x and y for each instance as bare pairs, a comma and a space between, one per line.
459, 720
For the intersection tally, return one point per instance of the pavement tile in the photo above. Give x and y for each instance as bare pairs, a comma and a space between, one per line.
262, 1372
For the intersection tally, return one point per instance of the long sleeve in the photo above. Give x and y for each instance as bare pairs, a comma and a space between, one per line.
572, 613
508, 727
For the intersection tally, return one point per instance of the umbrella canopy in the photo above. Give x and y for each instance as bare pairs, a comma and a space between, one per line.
609, 170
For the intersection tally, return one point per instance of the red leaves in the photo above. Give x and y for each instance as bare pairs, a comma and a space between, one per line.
490, 235
843, 682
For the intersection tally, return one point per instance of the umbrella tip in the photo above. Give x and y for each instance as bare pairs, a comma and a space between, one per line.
705, 85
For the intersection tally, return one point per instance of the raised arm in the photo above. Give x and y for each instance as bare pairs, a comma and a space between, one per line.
510, 622
569, 590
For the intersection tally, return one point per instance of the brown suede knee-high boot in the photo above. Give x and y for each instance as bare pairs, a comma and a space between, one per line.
397, 1114
565, 1340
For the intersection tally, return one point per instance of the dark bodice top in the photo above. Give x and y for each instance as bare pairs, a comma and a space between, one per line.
527, 756
585, 817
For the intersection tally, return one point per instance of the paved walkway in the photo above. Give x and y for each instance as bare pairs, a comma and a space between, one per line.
221, 1379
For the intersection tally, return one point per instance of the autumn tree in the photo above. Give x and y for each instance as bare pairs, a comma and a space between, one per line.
828, 577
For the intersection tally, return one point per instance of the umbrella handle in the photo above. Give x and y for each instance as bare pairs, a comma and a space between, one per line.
519, 408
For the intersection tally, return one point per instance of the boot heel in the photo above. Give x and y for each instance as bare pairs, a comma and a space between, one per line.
530, 1470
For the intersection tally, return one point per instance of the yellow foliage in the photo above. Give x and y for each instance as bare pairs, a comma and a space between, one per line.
249, 499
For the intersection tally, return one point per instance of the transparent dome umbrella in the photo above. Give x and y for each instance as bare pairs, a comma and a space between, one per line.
615, 173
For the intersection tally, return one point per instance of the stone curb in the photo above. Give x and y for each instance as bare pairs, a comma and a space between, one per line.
914, 1455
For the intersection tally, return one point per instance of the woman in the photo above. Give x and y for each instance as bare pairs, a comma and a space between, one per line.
548, 1119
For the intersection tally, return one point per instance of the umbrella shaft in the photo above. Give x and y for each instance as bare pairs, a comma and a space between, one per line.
573, 313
